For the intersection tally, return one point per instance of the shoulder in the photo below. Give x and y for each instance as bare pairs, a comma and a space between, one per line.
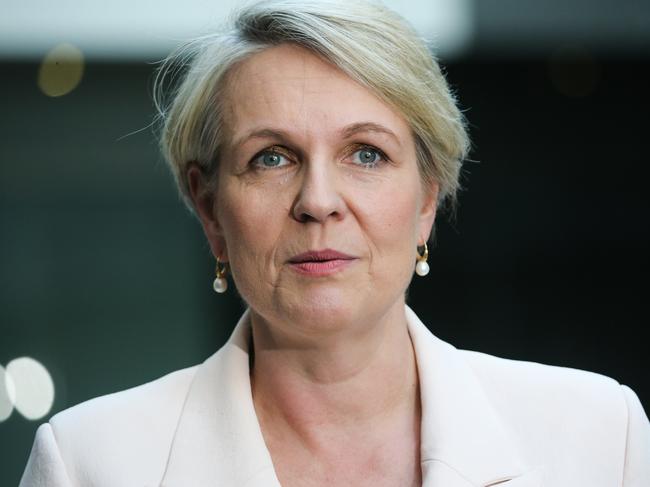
556, 410
123, 437
163, 397
523, 381
561, 396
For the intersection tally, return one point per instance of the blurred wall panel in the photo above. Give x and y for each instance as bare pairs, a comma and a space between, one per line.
504, 27
104, 277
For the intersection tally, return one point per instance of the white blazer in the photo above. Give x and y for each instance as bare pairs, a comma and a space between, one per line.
485, 421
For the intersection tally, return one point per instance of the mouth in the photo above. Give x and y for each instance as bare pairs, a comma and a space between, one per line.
320, 256
320, 262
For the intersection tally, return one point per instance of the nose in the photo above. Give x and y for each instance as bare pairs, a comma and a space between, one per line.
318, 198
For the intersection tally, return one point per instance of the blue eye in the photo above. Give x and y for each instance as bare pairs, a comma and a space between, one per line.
269, 160
368, 156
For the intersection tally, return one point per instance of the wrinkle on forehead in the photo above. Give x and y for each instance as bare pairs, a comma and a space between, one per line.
291, 89
303, 77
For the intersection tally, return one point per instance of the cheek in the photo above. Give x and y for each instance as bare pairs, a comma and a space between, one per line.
251, 225
394, 212
390, 220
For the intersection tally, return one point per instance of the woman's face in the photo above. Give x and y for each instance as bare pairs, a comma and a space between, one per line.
315, 161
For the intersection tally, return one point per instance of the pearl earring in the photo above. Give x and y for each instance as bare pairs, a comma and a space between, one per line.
422, 268
220, 284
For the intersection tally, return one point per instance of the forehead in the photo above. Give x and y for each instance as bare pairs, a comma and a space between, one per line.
289, 88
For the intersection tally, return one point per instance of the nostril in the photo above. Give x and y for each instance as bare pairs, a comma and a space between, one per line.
305, 217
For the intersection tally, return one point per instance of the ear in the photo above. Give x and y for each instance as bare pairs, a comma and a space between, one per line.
203, 199
428, 211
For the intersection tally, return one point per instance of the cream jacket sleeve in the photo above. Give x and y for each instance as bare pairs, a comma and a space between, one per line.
637, 451
45, 466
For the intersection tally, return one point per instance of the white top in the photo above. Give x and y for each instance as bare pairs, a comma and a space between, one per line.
485, 421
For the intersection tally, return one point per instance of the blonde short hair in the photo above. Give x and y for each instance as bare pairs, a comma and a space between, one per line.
370, 43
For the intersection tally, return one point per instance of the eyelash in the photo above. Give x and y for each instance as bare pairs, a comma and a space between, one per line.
381, 156
268, 151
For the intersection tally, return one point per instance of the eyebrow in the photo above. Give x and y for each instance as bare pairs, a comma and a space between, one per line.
356, 128
346, 132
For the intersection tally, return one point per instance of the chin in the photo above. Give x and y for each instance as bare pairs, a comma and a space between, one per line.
320, 312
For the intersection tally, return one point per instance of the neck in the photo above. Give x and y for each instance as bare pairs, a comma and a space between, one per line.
351, 381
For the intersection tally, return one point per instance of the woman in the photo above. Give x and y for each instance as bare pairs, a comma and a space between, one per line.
315, 142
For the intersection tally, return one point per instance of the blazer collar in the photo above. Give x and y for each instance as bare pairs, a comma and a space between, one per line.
218, 440
463, 440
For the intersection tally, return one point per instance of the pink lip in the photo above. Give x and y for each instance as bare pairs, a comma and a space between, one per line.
320, 262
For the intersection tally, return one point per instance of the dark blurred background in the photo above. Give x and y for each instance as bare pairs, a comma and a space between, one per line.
105, 279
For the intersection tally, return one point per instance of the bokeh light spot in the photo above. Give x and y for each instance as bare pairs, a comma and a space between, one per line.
6, 390
33, 393
61, 70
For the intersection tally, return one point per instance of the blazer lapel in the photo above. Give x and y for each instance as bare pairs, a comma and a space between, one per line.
218, 441
463, 441
436, 473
